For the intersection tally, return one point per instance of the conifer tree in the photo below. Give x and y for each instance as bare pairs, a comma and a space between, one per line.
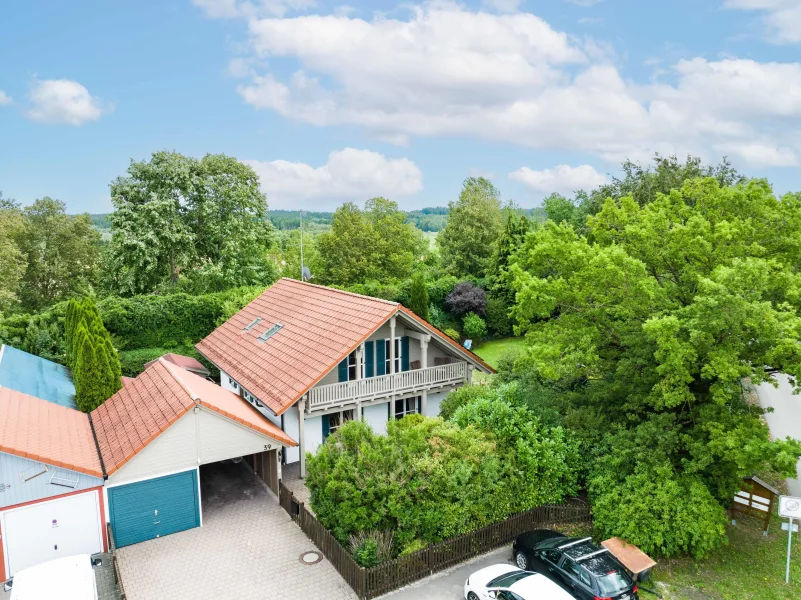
418, 299
90, 386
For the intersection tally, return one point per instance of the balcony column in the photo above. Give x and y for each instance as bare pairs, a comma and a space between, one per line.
469, 374
392, 366
301, 436
359, 366
423, 353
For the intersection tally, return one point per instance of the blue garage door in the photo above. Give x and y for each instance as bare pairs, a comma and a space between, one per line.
154, 508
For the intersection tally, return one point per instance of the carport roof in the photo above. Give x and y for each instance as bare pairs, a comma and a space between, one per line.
47, 432
146, 406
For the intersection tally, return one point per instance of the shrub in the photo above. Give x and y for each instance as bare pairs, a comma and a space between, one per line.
498, 322
474, 327
466, 298
371, 548
461, 396
453, 334
133, 361
437, 317
428, 479
664, 513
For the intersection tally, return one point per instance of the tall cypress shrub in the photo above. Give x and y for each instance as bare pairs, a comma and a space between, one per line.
96, 369
418, 297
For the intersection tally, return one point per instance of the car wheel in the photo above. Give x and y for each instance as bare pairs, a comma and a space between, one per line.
521, 560
472, 596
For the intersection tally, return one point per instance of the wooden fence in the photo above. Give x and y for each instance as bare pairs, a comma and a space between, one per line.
112, 550
391, 575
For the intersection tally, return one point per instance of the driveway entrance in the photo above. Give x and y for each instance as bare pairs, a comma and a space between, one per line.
247, 548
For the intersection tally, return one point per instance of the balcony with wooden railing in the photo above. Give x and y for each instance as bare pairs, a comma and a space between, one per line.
373, 388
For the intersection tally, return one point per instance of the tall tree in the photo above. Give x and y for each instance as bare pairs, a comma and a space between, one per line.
418, 297
12, 259
178, 217
61, 254
374, 243
654, 320
508, 243
474, 224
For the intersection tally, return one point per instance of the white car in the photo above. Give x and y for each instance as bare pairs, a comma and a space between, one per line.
68, 578
505, 582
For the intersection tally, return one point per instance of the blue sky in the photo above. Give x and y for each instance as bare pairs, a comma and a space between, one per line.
332, 102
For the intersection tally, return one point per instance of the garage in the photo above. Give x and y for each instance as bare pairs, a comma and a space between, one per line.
47, 530
153, 508
51, 500
153, 436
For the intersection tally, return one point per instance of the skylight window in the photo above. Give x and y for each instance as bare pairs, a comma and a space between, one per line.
270, 332
252, 324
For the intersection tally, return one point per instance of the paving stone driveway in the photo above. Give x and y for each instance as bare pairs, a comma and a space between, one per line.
248, 549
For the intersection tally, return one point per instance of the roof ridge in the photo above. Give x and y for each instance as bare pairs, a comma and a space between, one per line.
333, 289
192, 394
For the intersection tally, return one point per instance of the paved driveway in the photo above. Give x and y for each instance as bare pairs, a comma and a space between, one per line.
785, 420
449, 585
248, 548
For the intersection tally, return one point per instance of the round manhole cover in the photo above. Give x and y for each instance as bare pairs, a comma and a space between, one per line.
311, 557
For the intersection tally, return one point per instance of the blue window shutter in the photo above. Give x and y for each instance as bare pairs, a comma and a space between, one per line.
326, 425
369, 359
343, 370
381, 357
405, 353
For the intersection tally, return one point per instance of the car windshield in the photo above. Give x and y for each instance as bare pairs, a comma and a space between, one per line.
614, 582
508, 579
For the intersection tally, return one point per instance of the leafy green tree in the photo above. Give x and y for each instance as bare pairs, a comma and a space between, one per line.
658, 316
374, 243
178, 217
61, 253
12, 259
641, 183
418, 301
291, 254
474, 225
514, 232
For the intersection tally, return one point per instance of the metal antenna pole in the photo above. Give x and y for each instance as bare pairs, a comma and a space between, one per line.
301, 246
789, 539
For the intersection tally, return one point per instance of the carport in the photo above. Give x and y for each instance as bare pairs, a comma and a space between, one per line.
154, 436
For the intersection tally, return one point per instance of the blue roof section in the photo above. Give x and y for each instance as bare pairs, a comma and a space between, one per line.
36, 376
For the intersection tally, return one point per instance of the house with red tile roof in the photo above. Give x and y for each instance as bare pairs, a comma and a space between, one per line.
154, 435
310, 358
51, 477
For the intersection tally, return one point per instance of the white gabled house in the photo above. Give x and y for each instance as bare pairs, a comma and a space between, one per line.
311, 358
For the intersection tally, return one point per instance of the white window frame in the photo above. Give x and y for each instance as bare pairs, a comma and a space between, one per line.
353, 364
233, 383
415, 410
398, 354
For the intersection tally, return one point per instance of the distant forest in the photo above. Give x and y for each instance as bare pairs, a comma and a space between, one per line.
426, 219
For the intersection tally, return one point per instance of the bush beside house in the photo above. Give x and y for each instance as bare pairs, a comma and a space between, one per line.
429, 479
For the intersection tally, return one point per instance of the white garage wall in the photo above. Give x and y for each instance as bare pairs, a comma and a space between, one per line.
220, 438
376, 417
172, 451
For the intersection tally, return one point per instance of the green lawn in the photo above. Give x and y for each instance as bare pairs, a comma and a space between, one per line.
751, 567
493, 350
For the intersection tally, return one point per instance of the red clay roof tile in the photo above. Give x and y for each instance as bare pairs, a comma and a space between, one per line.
47, 432
147, 405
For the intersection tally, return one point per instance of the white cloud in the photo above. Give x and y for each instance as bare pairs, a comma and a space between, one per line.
562, 179
230, 9
348, 173
783, 18
5, 99
446, 70
63, 101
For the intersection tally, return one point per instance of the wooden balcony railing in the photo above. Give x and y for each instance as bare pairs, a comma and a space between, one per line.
364, 390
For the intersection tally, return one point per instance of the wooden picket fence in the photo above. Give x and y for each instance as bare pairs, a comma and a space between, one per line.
373, 582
